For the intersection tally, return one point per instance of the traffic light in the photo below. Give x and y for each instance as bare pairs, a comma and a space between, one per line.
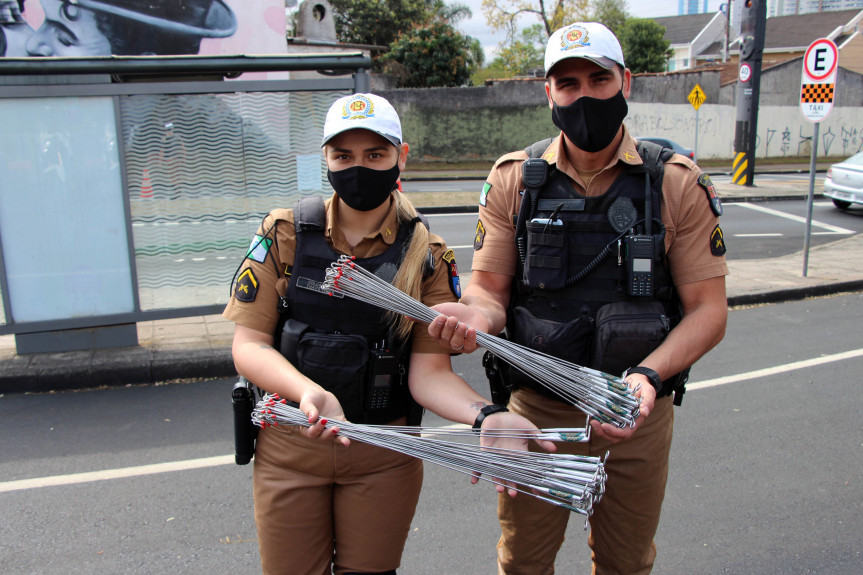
753, 23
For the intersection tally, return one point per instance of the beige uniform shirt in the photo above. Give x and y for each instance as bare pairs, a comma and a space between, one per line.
690, 223
272, 280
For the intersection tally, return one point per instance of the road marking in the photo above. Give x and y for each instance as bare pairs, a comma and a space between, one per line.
768, 371
766, 235
793, 218
120, 473
137, 471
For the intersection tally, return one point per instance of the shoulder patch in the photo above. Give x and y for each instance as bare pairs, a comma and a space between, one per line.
480, 235
483, 196
715, 204
717, 242
247, 286
259, 248
452, 270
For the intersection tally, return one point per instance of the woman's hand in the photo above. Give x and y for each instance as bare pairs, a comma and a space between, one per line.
321, 405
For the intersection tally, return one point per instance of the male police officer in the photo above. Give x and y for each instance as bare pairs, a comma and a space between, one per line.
606, 228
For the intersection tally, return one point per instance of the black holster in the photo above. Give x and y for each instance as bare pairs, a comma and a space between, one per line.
245, 432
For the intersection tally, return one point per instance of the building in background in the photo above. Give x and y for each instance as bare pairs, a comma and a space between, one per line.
792, 7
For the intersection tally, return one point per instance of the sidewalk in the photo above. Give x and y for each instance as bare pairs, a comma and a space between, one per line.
199, 347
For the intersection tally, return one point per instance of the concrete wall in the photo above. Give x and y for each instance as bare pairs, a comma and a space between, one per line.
482, 123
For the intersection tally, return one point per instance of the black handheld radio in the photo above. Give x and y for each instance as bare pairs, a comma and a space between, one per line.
639, 258
380, 379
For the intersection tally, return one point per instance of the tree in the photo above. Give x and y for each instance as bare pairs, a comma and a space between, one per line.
378, 22
433, 55
505, 14
645, 48
611, 13
523, 55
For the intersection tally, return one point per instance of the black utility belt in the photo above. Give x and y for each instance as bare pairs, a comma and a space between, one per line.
368, 380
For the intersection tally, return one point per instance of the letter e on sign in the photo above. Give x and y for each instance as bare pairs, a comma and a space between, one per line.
818, 81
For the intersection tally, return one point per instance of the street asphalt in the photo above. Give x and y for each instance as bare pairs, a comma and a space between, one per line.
199, 347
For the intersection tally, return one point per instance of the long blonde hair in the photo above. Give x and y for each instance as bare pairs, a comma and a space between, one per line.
409, 278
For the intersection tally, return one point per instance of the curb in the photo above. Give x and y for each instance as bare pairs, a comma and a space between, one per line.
75, 371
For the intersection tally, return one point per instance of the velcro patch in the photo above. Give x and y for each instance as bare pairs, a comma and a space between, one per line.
259, 248
247, 286
483, 195
480, 235
717, 242
715, 205
452, 270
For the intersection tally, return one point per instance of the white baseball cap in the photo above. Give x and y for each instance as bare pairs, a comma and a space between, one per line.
589, 40
366, 111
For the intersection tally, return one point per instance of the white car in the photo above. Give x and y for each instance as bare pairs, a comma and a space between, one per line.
844, 183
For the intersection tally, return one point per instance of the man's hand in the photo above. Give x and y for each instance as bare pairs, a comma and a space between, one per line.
647, 394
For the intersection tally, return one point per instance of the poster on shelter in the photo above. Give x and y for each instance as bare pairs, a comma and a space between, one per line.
92, 28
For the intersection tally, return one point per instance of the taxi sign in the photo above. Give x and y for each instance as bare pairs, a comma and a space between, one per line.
696, 97
818, 81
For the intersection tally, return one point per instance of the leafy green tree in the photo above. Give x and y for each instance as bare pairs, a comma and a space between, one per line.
377, 22
523, 55
505, 14
433, 55
645, 48
612, 13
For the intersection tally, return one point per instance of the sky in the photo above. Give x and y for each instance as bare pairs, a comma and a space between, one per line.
477, 28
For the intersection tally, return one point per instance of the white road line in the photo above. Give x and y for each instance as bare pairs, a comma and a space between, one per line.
765, 235
775, 370
120, 473
759, 208
90, 476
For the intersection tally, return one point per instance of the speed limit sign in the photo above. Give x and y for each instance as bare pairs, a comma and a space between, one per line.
818, 82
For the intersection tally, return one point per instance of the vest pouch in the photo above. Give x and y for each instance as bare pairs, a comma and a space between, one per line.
338, 363
569, 341
626, 333
545, 264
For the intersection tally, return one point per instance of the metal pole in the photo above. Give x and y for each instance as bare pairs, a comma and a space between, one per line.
695, 150
810, 201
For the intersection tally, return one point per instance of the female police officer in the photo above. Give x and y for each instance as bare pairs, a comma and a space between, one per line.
319, 503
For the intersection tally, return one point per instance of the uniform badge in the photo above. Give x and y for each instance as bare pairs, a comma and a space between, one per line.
483, 195
715, 204
717, 242
259, 248
452, 270
622, 214
247, 286
480, 235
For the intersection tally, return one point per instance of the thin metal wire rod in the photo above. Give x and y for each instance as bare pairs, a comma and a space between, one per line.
573, 482
600, 395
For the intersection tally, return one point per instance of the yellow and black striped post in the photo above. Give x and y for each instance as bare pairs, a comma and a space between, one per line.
738, 169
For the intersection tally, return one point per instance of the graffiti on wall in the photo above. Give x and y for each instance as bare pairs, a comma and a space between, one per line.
92, 28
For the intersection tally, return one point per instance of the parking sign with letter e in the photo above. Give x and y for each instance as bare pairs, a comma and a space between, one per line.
818, 83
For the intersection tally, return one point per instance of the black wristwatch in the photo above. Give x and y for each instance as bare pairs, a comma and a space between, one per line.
485, 412
654, 378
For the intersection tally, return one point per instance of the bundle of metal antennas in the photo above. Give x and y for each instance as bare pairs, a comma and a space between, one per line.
602, 396
574, 482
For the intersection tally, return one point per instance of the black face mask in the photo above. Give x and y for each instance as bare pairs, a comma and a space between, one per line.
591, 123
362, 188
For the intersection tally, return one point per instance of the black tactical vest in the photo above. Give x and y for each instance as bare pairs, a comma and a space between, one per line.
337, 336
572, 259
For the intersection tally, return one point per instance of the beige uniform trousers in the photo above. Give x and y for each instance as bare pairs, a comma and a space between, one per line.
624, 521
319, 503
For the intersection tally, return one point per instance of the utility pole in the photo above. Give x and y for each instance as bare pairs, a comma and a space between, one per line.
753, 24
